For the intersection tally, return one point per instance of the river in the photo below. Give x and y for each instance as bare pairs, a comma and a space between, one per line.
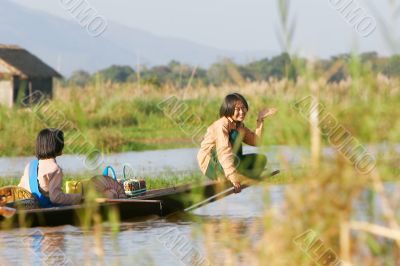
146, 242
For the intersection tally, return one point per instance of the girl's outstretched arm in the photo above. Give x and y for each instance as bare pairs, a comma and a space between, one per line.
254, 139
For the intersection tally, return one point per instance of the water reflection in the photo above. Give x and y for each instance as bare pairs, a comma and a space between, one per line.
178, 239
34, 246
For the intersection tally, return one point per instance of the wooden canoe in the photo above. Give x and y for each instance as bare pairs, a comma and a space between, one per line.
159, 202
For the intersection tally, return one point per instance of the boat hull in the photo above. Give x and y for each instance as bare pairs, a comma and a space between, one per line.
159, 202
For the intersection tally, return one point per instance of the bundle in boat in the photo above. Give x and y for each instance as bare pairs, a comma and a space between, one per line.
17, 197
133, 186
106, 187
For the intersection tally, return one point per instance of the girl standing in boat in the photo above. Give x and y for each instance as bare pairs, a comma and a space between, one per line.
42, 176
221, 149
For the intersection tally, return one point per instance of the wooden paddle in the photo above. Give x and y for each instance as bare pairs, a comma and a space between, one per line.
228, 192
106, 200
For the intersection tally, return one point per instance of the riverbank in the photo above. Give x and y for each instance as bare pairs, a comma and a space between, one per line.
288, 176
164, 181
130, 117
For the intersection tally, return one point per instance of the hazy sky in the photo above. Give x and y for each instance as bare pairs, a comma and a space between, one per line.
242, 24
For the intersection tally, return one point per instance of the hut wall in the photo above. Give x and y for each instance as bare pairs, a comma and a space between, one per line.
6, 92
18, 89
27, 87
45, 85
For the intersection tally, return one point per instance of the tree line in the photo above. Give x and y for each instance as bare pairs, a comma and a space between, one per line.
337, 68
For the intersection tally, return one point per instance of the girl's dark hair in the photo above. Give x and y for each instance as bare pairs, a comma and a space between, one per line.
49, 143
228, 106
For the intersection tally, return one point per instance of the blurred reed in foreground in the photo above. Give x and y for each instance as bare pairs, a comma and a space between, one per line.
318, 223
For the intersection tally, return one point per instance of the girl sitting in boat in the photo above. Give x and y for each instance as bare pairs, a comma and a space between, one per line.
221, 149
42, 176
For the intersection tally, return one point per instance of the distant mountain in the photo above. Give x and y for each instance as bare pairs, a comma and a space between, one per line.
66, 46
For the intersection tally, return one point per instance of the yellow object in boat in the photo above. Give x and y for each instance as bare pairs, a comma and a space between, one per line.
73, 187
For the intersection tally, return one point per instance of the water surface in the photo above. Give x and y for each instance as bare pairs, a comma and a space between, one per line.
147, 242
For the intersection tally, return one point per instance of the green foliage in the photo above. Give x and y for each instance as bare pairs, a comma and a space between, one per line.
393, 66
221, 72
227, 71
79, 78
118, 74
124, 117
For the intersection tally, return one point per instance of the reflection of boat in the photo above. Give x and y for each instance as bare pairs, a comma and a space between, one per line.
160, 202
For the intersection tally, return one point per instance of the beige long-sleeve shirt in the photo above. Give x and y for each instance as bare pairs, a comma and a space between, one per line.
50, 177
218, 136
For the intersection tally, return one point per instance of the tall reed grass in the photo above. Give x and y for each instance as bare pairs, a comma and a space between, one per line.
117, 118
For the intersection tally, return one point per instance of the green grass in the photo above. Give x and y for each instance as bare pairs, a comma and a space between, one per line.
151, 182
8, 181
170, 180
117, 118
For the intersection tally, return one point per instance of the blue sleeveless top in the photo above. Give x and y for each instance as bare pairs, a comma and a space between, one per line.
44, 202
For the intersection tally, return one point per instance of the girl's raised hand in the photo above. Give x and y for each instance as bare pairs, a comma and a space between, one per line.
266, 112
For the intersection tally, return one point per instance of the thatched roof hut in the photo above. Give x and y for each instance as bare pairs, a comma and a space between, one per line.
22, 74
